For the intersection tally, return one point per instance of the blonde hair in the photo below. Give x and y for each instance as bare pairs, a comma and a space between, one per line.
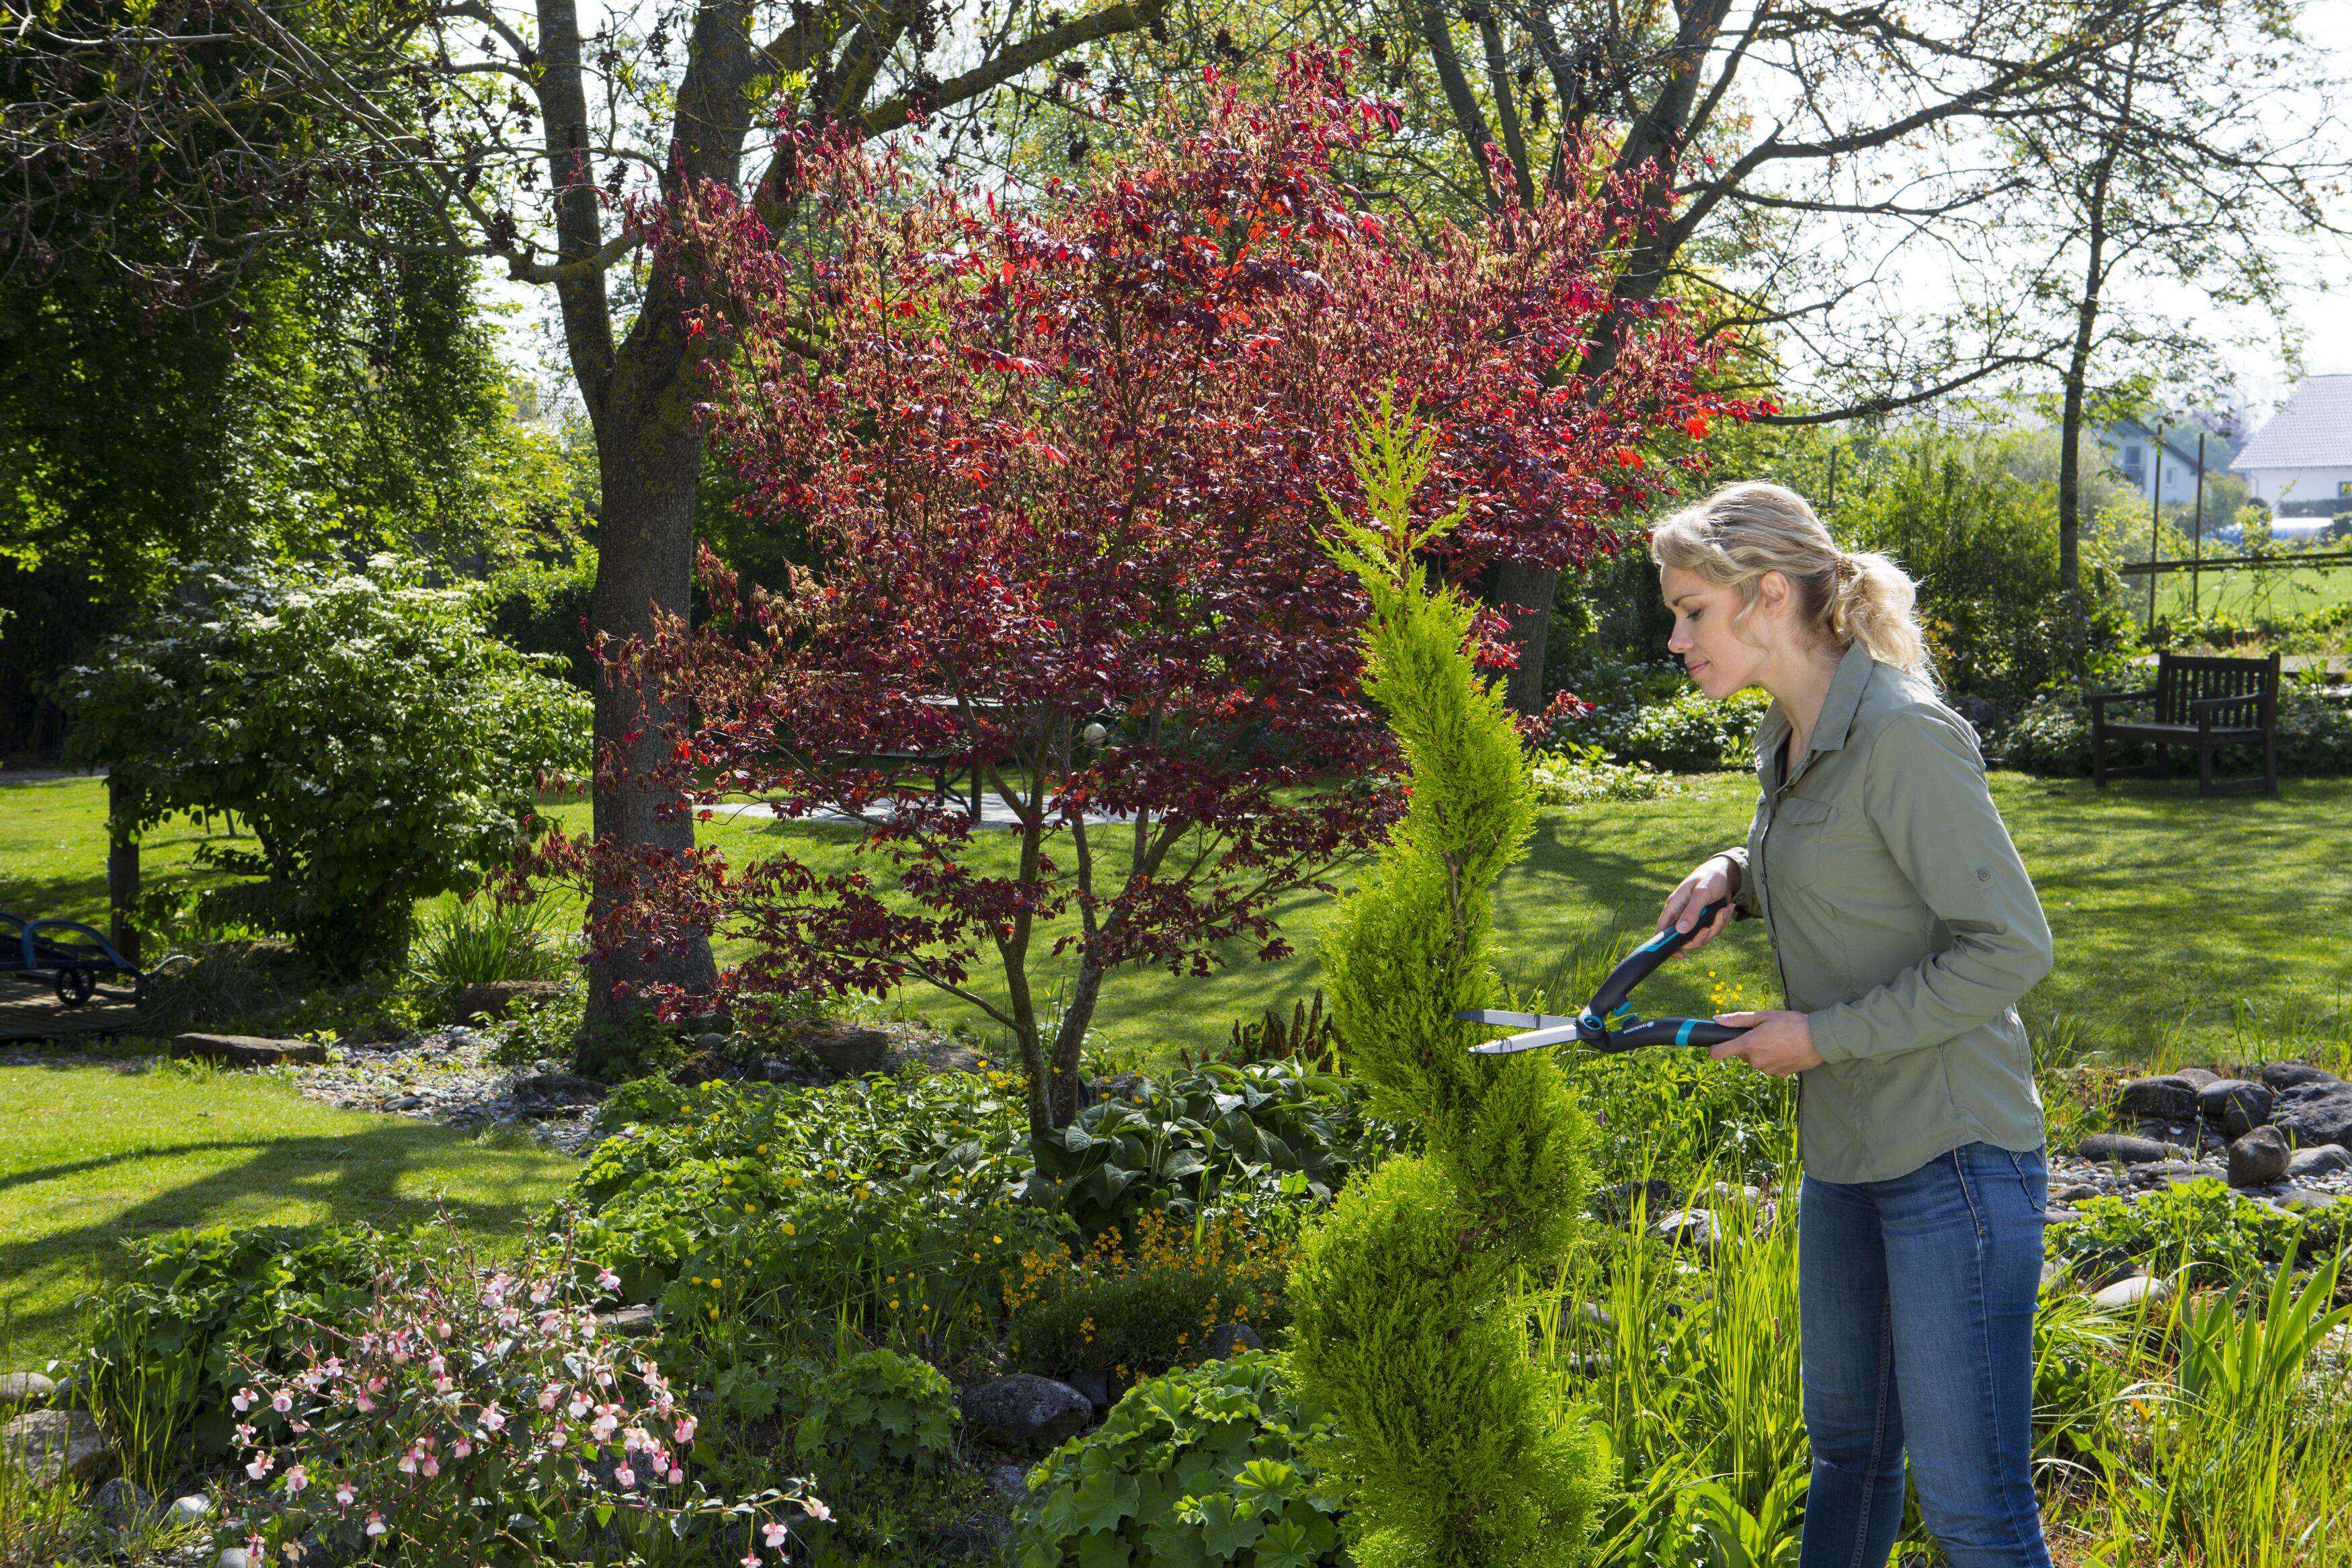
1742, 532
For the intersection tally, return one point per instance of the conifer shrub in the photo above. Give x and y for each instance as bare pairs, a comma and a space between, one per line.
1450, 1449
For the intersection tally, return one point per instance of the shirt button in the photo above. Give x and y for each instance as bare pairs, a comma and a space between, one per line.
1983, 875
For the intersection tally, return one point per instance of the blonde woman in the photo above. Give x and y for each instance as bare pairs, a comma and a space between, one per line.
1905, 930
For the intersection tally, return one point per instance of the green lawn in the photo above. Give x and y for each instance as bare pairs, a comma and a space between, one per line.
89, 1154
2248, 595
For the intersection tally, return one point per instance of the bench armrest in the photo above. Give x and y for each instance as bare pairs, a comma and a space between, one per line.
2101, 699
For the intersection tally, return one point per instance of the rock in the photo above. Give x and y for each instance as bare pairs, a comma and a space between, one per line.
1593, 1365
233, 1557
1025, 1411
190, 1510
2123, 1149
2178, 1171
2125, 1294
1131, 1086
983, 1536
1618, 1202
22, 1388
1983, 714
1094, 1384
1688, 1228
2319, 1160
48, 1443
2075, 1192
1009, 1480
247, 1050
713, 1040
2236, 1102
1230, 1340
404, 1103
628, 1322
2203, 1077
841, 1050
2258, 1158
72, 1393
491, 998
558, 1089
121, 1505
2165, 1097
1596, 1314
1728, 1195
2281, 1076
2315, 1113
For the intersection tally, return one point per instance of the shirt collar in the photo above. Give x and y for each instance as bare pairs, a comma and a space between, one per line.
1833, 728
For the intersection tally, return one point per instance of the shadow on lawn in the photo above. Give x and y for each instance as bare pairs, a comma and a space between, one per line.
353, 1177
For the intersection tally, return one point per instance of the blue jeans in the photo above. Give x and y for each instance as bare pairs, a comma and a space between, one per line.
1916, 1299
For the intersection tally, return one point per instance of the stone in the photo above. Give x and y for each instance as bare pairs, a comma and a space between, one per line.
404, 1103
983, 1536
1983, 714
233, 1557
713, 1040
1230, 1340
1025, 1411
1618, 1202
72, 1393
21, 1388
1596, 1315
247, 1050
2314, 1113
2123, 1149
558, 1089
2125, 1295
2281, 1076
2259, 1158
2165, 1097
1094, 1384
843, 1050
1688, 1228
2319, 1160
2203, 1077
1130, 1086
192, 1509
2178, 1171
121, 1505
2237, 1104
1009, 1480
627, 1322
491, 998
49, 1444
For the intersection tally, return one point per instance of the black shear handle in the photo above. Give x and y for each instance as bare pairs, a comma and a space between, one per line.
1639, 965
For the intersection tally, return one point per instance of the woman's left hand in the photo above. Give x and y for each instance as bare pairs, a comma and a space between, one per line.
1777, 1044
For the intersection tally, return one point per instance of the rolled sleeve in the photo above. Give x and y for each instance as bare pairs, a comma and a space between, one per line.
1923, 786
1743, 897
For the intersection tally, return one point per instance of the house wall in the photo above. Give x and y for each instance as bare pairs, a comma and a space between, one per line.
2180, 474
2301, 484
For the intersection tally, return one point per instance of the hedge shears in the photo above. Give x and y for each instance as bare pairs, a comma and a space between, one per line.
1608, 1021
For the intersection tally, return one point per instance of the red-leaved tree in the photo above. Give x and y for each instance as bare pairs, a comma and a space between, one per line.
1067, 465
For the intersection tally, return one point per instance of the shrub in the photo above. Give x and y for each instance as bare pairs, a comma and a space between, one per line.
1451, 1449
876, 1415
1682, 732
2199, 1227
1137, 1311
473, 1415
1581, 775
1212, 1464
480, 940
1269, 1130
167, 1343
381, 747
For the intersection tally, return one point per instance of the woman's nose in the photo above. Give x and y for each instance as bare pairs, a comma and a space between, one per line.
1679, 641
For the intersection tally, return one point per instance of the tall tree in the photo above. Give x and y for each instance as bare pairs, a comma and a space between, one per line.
516, 136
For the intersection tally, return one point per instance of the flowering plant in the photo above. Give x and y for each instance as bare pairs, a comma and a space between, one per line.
476, 1416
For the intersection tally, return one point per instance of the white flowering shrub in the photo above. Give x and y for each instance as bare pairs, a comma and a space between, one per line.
1581, 775
480, 1417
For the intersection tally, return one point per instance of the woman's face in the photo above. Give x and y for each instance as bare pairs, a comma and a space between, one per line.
1719, 660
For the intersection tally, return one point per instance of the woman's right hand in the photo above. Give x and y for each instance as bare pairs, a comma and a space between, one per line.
1717, 877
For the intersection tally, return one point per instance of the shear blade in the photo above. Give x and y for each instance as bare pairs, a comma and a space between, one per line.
1560, 1035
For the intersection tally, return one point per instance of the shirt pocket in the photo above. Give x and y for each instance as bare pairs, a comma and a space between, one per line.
1801, 834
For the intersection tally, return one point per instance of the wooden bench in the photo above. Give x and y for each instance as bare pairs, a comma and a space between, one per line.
2201, 702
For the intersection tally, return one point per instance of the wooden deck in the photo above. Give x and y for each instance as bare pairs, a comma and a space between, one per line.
27, 1014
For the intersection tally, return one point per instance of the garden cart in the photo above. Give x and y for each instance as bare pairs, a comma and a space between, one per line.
71, 958
1608, 1022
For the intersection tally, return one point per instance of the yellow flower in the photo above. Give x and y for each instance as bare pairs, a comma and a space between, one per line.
714, 1312
760, 1149
727, 1182
894, 1303
751, 1208
788, 1228
714, 1281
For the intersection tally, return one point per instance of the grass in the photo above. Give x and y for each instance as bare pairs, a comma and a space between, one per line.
2249, 595
89, 1154
2186, 927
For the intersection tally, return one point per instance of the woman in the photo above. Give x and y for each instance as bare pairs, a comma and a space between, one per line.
1905, 930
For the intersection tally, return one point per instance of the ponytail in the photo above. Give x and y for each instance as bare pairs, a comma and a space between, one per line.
1742, 532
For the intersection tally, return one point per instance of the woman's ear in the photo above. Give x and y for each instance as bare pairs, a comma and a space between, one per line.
1772, 594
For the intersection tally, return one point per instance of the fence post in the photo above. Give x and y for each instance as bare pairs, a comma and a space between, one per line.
121, 867
2155, 520
2199, 554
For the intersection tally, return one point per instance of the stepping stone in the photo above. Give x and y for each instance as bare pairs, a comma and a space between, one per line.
2125, 1295
246, 1050
2165, 1097
2259, 1158
1025, 1411
2124, 1149
2321, 1159
19, 1388
50, 1444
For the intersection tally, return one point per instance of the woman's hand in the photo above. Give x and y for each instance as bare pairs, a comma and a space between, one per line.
1777, 1044
1717, 877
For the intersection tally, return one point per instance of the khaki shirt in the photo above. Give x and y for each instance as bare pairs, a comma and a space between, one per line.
1904, 926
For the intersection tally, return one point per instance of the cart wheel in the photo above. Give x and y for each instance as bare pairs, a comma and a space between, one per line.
75, 985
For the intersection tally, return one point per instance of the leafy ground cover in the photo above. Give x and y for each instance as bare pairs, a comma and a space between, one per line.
2183, 924
91, 1157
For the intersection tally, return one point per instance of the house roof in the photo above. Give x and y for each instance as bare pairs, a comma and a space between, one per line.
2314, 430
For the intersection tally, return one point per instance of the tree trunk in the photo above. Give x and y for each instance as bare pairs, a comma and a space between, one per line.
1525, 595
1065, 1080
122, 869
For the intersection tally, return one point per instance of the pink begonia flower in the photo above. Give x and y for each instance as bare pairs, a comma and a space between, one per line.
375, 1522
462, 1447
625, 1476
343, 1493
282, 1403
676, 1476
432, 1466
445, 1331
579, 1406
776, 1533
750, 1560
550, 1395
816, 1509
608, 1281
686, 1428
260, 1467
296, 1479
493, 1419
408, 1463
363, 1402
243, 1400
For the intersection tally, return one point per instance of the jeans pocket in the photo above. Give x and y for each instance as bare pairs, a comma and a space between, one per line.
2033, 1177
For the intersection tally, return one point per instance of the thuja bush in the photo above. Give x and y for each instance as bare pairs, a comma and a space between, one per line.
1451, 1449
478, 1417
